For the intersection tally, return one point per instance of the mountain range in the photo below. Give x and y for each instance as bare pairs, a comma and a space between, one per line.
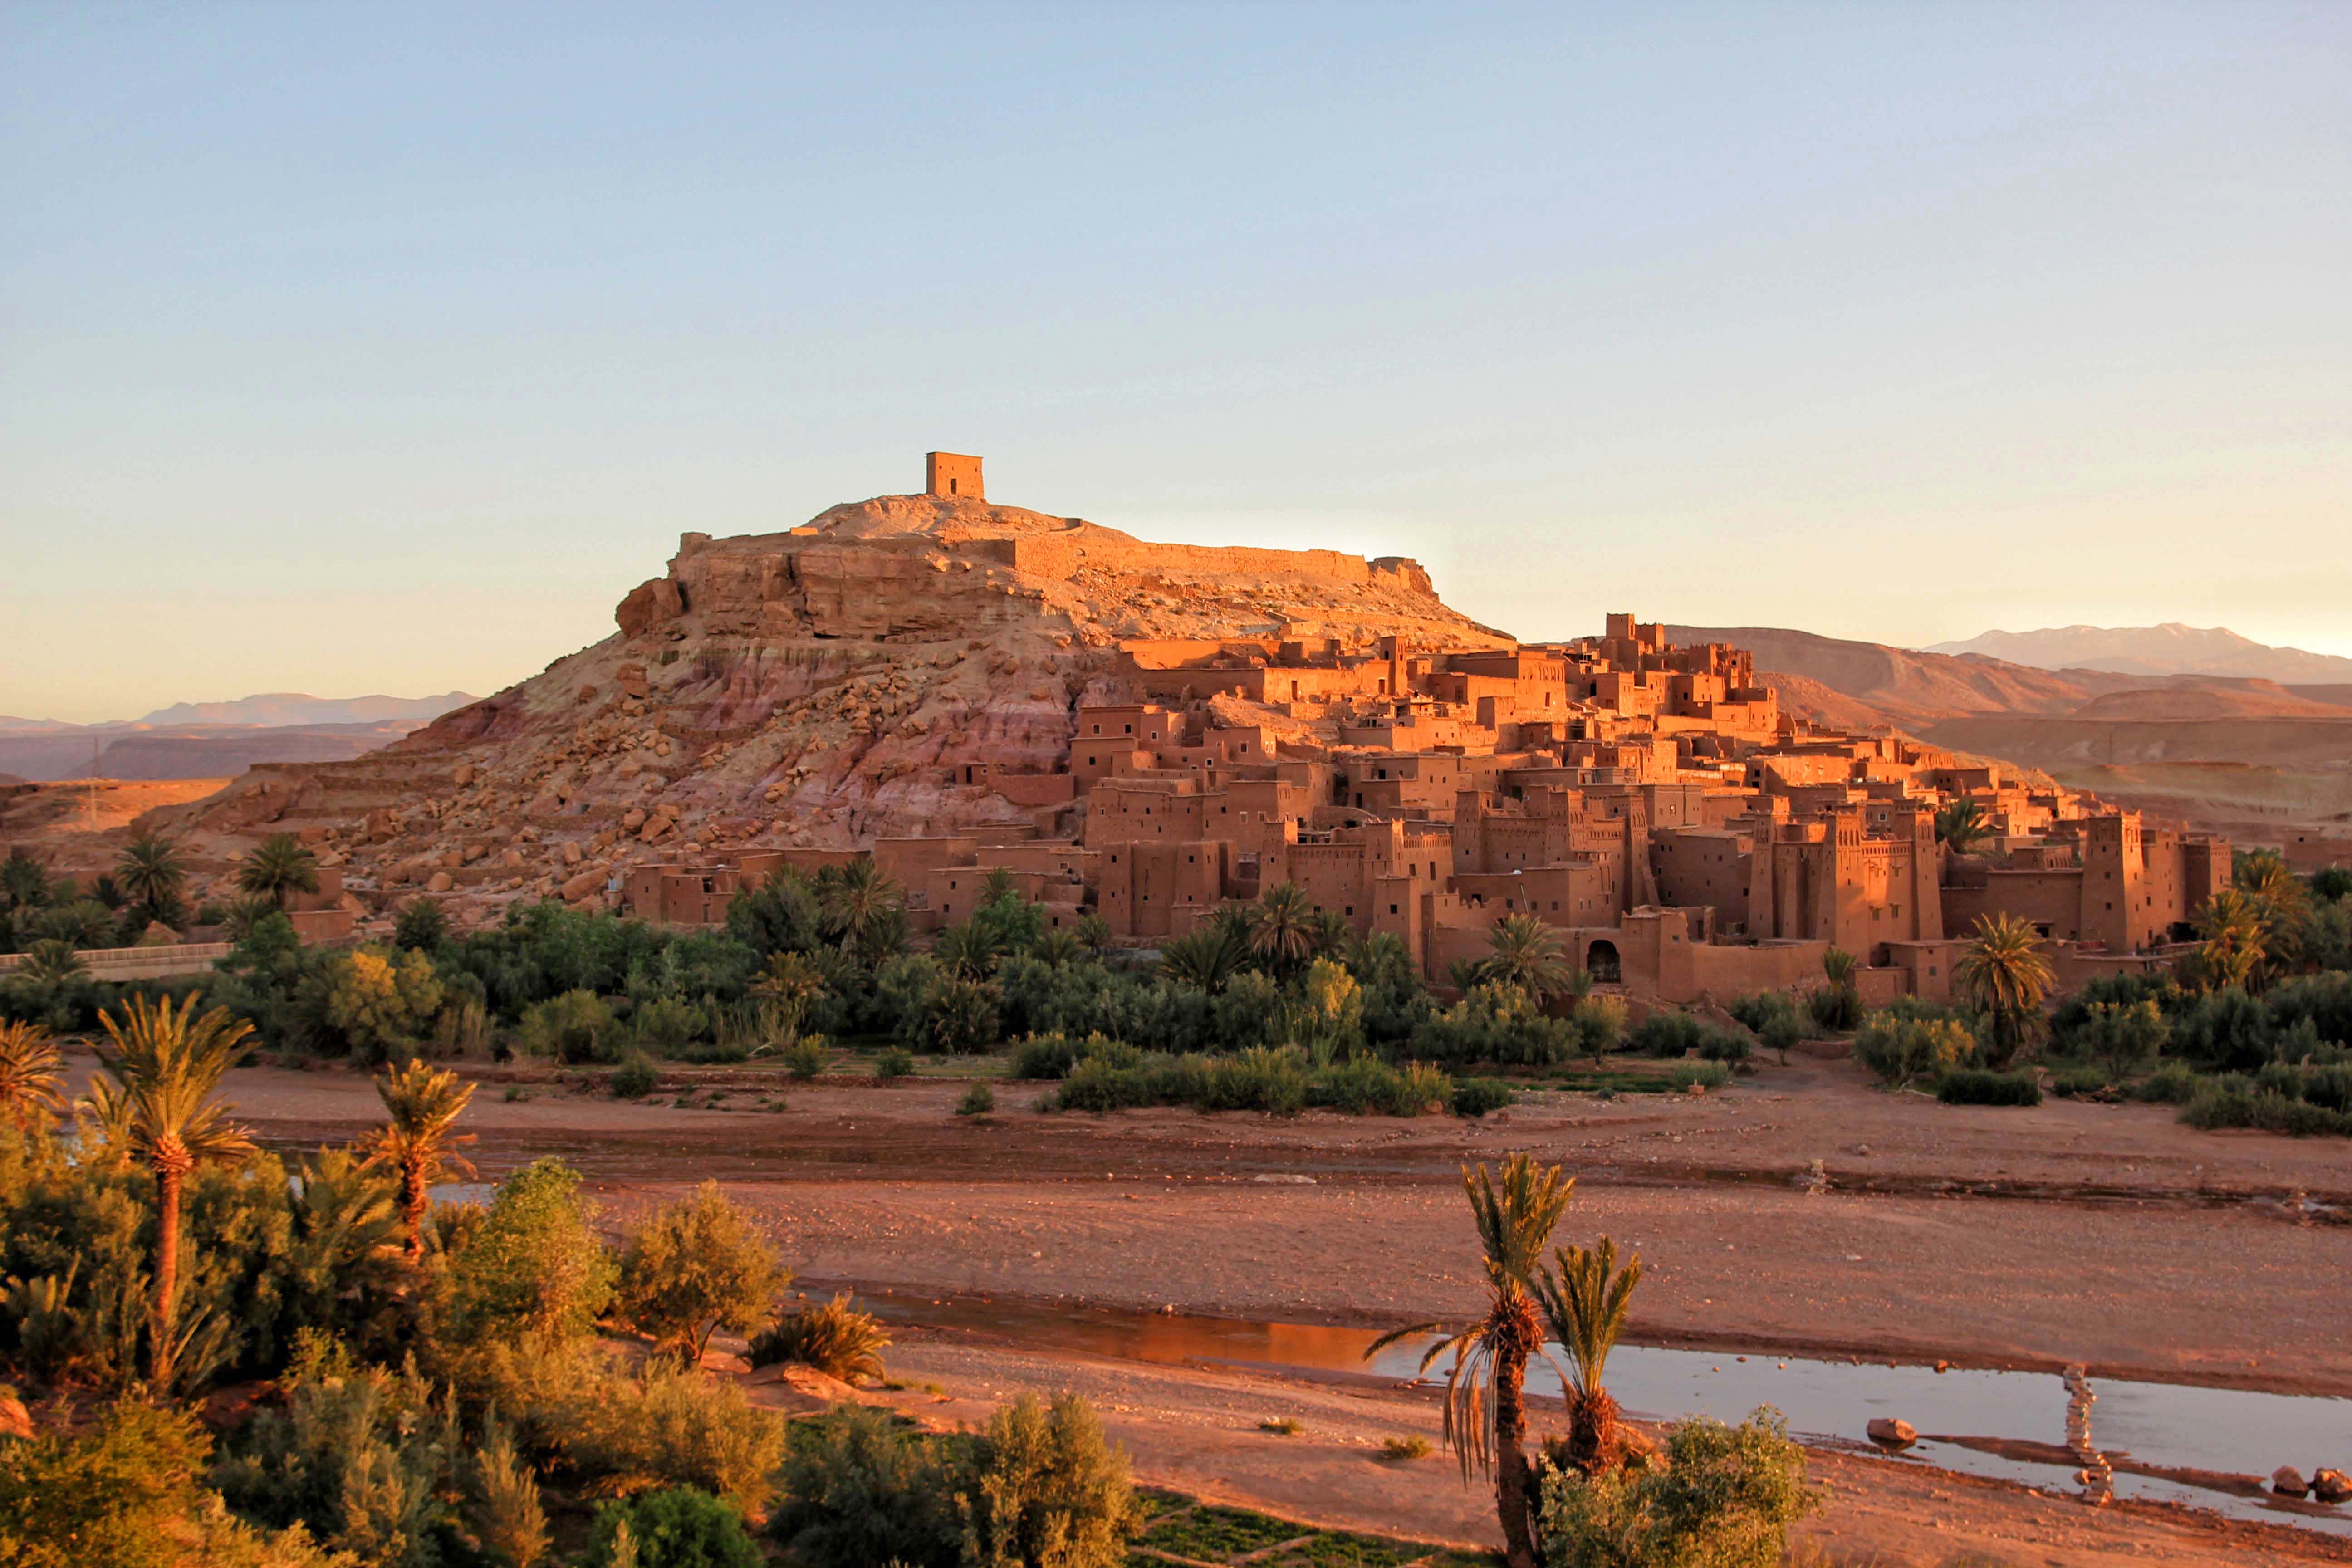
216, 740
2167, 649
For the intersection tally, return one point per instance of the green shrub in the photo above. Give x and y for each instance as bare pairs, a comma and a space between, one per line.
980, 1099
668, 1025
576, 1027
2173, 1083
1775, 1019
1901, 1050
1687, 1076
1367, 1085
2238, 1101
1667, 1035
1974, 1086
693, 1269
834, 1338
534, 1268
1398, 1450
1600, 1023
677, 1527
421, 925
804, 1058
1051, 1492
635, 1076
1837, 1008
123, 1492
858, 1489
381, 1002
674, 1426
895, 1062
2077, 1083
1475, 1097
1724, 1498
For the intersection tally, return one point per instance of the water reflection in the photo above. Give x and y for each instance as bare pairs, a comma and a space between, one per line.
2203, 1446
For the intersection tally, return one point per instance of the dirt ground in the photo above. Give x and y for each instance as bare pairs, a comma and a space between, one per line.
1984, 1237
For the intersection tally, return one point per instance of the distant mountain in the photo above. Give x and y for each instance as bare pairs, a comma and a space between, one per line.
2169, 649
273, 708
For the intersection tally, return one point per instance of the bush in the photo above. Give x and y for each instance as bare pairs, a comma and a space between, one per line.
1475, 1097
693, 1269
1051, 1492
2174, 1083
1901, 1050
980, 1099
804, 1058
834, 1339
2224, 1031
1973, 1086
674, 1426
1600, 1023
123, 1492
635, 1076
2239, 1101
534, 1268
1773, 1016
895, 1062
1837, 1008
2079, 1083
677, 1527
381, 1002
1500, 1023
574, 1028
668, 1025
1368, 1086
858, 1489
1698, 1075
1724, 1498
1675, 1034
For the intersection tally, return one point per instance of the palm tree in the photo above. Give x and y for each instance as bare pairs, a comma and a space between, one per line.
1962, 826
1203, 958
997, 887
2234, 947
856, 898
278, 867
50, 962
1527, 954
1586, 1303
30, 1071
151, 872
1282, 927
23, 883
791, 982
167, 1063
1486, 1411
1333, 934
2002, 972
421, 1107
2282, 905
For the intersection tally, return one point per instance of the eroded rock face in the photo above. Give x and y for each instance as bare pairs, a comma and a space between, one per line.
823, 686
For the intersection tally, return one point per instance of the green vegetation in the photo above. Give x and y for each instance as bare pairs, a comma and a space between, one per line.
834, 1338
693, 1269
1977, 1085
1724, 1498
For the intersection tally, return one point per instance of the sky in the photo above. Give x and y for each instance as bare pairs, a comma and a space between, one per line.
358, 348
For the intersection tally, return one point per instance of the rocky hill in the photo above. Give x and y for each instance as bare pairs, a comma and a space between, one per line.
823, 686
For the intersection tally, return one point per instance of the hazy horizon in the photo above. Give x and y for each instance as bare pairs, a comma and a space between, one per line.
368, 350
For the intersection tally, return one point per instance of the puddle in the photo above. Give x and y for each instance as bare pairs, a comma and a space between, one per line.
2206, 1447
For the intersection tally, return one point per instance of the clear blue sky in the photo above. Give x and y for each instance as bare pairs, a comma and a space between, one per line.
349, 348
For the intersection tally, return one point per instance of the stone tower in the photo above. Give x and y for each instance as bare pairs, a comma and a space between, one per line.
952, 474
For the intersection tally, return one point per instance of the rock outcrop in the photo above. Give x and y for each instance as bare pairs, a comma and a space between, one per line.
822, 687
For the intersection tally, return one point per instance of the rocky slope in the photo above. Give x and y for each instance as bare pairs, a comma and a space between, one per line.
823, 686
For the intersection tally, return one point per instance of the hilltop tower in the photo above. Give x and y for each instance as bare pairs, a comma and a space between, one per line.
952, 474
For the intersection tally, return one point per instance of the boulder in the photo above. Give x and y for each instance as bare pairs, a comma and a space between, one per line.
439, 882
582, 885
462, 774
2331, 1485
633, 819
1889, 1432
2287, 1481
572, 854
